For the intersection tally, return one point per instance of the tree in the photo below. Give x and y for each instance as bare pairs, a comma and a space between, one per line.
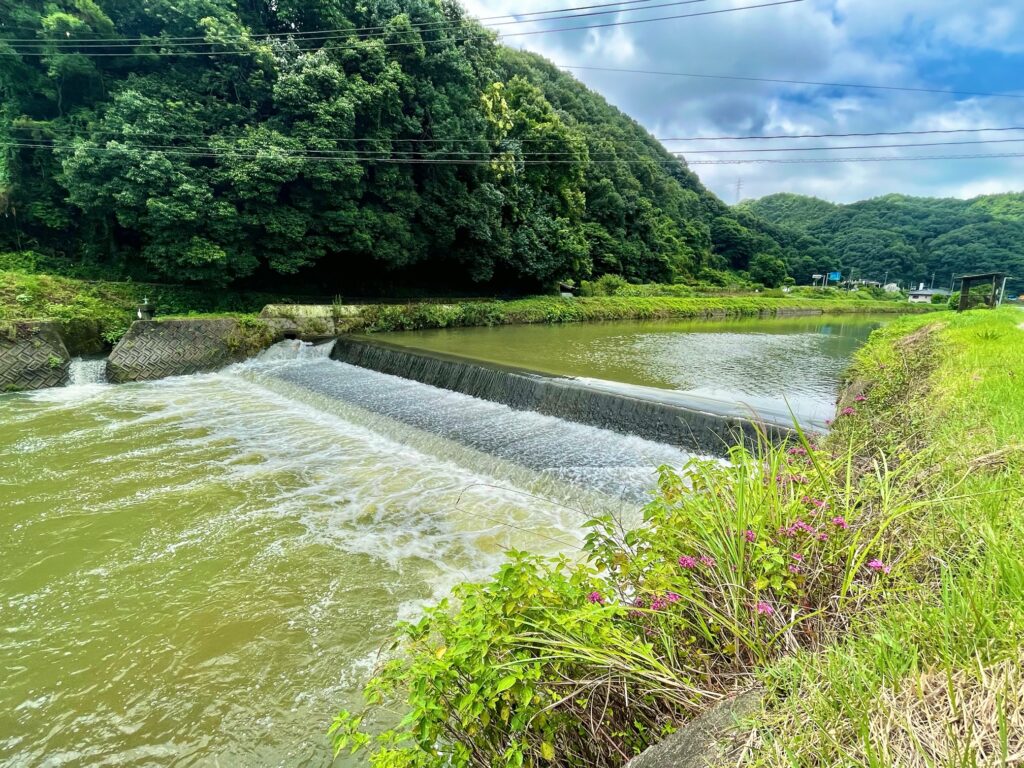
768, 270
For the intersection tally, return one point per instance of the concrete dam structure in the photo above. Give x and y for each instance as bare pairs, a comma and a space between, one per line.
695, 424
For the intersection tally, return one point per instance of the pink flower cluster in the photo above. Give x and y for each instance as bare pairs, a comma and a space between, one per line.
878, 566
764, 609
848, 411
595, 597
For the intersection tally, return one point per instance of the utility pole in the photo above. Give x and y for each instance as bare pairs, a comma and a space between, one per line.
932, 287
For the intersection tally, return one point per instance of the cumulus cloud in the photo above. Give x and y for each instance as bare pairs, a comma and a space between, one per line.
938, 44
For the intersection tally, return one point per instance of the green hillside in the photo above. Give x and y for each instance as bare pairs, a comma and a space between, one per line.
908, 239
404, 147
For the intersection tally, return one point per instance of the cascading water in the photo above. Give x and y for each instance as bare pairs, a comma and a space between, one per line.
87, 371
202, 570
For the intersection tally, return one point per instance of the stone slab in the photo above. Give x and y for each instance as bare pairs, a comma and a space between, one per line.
156, 349
32, 356
706, 741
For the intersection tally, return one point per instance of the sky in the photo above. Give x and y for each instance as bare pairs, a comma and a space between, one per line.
962, 45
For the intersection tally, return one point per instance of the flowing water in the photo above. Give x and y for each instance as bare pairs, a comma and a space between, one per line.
769, 365
201, 570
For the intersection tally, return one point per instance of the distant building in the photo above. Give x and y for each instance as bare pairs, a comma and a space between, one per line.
892, 288
924, 295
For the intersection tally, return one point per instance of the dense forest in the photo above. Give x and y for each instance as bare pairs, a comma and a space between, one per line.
904, 239
342, 142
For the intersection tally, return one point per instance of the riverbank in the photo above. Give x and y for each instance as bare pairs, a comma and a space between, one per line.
95, 315
869, 582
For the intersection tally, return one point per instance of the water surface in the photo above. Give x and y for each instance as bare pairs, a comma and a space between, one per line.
201, 571
767, 364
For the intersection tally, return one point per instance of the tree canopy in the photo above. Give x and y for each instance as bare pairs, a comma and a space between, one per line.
355, 140
908, 239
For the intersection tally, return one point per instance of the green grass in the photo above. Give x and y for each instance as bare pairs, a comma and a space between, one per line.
873, 584
96, 314
416, 316
924, 680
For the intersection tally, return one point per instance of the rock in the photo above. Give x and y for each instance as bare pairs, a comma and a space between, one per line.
708, 740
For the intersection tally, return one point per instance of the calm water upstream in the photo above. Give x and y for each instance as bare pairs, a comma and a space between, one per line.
200, 571
766, 364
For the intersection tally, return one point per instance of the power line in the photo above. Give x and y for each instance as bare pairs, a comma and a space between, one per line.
326, 35
856, 146
121, 132
483, 37
270, 155
792, 82
299, 34
504, 152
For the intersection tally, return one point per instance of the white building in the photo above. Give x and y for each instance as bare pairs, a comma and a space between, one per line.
924, 295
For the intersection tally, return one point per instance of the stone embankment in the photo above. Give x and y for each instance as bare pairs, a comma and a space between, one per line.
32, 356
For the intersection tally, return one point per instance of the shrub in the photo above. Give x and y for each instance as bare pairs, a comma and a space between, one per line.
585, 663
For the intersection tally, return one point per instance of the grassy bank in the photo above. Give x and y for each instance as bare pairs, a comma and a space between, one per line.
373, 318
104, 310
872, 582
100, 312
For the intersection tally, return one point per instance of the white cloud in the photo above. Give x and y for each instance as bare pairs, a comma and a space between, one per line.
881, 42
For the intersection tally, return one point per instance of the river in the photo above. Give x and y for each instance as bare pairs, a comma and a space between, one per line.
202, 570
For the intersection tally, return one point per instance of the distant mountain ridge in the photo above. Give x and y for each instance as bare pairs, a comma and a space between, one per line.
906, 239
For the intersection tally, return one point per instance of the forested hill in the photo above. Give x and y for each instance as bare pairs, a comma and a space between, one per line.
908, 238
357, 141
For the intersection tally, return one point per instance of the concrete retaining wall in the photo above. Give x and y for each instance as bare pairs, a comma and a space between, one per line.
155, 349
32, 356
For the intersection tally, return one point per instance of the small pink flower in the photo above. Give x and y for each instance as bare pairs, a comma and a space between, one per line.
794, 568
672, 597
595, 597
687, 562
848, 411
860, 398
657, 604
878, 566
828, 422
798, 451
764, 609
798, 557
708, 561
639, 602
749, 535
822, 536
840, 522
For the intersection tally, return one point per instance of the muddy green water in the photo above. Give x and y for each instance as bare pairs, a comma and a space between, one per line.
773, 364
200, 571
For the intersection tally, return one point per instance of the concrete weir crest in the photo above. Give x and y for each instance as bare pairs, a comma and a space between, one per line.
695, 424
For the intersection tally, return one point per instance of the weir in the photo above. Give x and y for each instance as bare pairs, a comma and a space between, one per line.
701, 425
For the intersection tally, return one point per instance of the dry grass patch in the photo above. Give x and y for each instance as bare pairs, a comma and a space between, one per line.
968, 718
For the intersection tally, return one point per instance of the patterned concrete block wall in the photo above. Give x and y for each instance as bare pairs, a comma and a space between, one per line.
32, 356
155, 349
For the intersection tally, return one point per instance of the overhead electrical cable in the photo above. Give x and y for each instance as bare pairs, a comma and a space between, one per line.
274, 153
393, 43
339, 30
438, 26
122, 133
746, 78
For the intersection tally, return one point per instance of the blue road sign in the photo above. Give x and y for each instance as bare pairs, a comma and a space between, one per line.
834, 277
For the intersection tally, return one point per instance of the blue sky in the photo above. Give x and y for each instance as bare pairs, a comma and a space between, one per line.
940, 44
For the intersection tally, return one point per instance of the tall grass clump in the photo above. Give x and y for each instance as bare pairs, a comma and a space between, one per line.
585, 661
